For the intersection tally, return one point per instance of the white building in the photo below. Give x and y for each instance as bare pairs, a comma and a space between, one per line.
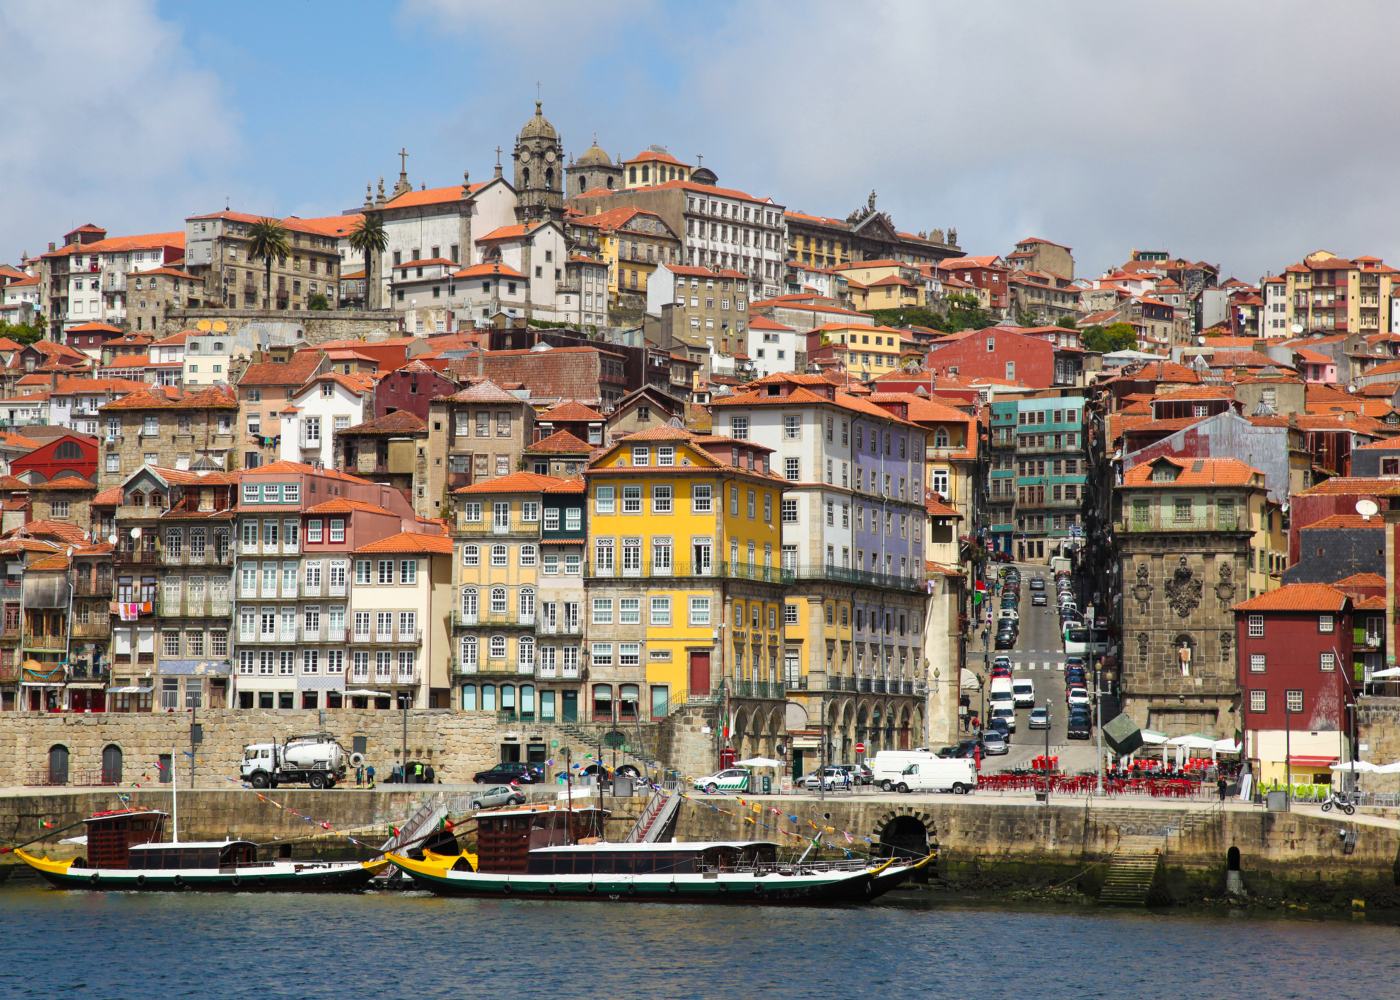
328, 403
774, 347
98, 272
1273, 320
19, 299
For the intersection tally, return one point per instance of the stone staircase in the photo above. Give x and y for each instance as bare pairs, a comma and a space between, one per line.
1131, 871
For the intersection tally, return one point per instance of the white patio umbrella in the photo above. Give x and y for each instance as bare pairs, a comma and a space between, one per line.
1393, 768
1193, 741
760, 762
1359, 767
1387, 673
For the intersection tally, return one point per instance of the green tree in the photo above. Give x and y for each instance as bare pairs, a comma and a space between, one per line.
22, 333
370, 239
964, 312
268, 239
1068, 322
1106, 339
911, 316
317, 302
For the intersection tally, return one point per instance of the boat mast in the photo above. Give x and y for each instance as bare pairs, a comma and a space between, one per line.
569, 793
174, 802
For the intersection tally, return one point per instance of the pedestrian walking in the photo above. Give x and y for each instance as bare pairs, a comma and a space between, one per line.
846, 776
1220, 786
369, 775
359, 775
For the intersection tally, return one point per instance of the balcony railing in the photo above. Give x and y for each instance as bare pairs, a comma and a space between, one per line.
844, 574
757, 689
391, 638
562, 629
490, 619
44, 641
683, 569
476, 528
140, 608
1168, 521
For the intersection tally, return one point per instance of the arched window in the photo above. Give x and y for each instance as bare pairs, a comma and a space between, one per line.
467, 655
582, 185
525, 655
628, 701
602, 702
67, 449
524, 178
58, 764
527, 605
497, 650
940, 438
507, 697
498, 600
469, 697
527, 701
111, 764
549, 179
469, 605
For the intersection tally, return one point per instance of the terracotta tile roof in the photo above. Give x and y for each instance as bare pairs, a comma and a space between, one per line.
330, 225
64, 530
8, 440
488, 271
1374, 603
396, 422
688, 271
344, 505
283, 468
1360, 580
614, 218
409, 541
1384, 444
1297, 597
109, 497
518, 482
143, 241
764, 323
1197, 392
802, 396
184, 477
212, 398
937, 508
1354, 485
484, 391
1196, 472
94, 328
657, 156
560, 443
431, 196
294, 372
57, 561
571, 411
168, 272
921, 408
1350, 522
69, 482
425, 262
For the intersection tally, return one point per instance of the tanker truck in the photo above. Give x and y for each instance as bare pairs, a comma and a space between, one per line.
318, 761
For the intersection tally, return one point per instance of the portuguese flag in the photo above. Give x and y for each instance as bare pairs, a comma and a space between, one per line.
979, 593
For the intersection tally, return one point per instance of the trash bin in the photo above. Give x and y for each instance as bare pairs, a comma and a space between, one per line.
1041, 795
767, 785
622, 785
1276, 801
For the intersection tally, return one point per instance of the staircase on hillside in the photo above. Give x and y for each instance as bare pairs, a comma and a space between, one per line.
1131, 871
658, 819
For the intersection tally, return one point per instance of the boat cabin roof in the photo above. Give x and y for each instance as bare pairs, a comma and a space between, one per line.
534, 809
692, 846
115, 814
190, 845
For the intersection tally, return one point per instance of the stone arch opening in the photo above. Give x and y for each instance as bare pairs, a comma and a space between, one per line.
58, 764
1232, 859
111, 764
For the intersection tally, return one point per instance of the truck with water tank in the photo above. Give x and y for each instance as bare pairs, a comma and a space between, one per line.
318, 761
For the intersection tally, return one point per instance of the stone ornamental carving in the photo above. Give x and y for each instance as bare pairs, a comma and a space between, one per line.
1183, 590
1225, 589
1226, 638
1142, 640
1142, 590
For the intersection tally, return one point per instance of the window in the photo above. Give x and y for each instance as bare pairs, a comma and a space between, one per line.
603, 555
789, 511
602, 653
1256, 626
792, 426
1258, 700
1256, 663
337, 529
530, 511
603, 500
701, 499
313, 531
573, 519
408, 571
1326, 623
471, 556
665, 454
629, 610
1294, 700
386, 571
789, 614
661, 499
498, 556
641, 455
661, 611
631, 499
739, 427
551, 519
699, 611
792, 469
1327, 662
602, 611
497, 649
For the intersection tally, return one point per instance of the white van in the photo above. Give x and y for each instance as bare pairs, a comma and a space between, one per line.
1000, 684
950, 775
1003, 697
887, 765
1023, 691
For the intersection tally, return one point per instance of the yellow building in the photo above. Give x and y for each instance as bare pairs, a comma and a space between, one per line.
631, 241
1331, 294
683, 582
869, 351
885, 284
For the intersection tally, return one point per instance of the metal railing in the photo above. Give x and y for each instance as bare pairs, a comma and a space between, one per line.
844, 574
491, 620
684, 568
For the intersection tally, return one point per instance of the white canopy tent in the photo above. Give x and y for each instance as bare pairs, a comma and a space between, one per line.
760, 762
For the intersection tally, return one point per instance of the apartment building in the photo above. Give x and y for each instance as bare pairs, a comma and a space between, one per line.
217, 249
100, 274
480, 432
1038, 475
701, 309
315, 413
168, 428
631, 242
264, 390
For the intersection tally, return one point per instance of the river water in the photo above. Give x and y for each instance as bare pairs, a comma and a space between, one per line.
73, 944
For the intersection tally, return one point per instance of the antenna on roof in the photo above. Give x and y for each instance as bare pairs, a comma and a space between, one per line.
1367, 508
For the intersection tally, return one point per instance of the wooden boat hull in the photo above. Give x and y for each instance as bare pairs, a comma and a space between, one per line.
278, 876
436, 874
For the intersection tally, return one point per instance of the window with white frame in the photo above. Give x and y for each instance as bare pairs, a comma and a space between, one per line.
631, 499
699, 611
1294, 699
661, 611
1258, 700
661, 499
1256, 663
1327, 662
499, 556
1256, 626
497, 649
701, 499
1326, 623
604, 500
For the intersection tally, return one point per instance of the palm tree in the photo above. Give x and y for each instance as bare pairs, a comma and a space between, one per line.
370, 239
268, 239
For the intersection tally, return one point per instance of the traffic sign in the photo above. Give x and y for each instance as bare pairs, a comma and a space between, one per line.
860, 748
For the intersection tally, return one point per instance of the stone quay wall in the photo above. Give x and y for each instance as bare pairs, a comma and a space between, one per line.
1378, 726
456, 743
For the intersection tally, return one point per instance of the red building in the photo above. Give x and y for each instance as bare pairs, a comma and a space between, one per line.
71, 454
1294, 646
1337, 495
1003, 355
411, 388
990, 274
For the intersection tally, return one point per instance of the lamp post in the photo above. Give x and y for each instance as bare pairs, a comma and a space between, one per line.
1287, 753
1047, 751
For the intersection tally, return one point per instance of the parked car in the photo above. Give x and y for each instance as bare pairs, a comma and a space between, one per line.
1001, 670
1040, 718
1077, 696
1079, 727
1000, 726
1038, 601
498, 795
510, 771
1005, 640
1006, 713
963, 748
731, 779
860, 773
1001, 661
1075, 677
829, 778
994, 744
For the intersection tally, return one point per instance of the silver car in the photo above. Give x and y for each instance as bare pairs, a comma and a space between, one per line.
993, 743
498, 795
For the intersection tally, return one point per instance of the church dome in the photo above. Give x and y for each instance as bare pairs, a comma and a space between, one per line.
539, 126
594, 156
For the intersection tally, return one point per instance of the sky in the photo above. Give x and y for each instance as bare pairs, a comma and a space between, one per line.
1246, 134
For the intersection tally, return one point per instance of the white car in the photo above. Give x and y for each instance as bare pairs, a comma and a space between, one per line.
731, 779
1008, 713
1077, 696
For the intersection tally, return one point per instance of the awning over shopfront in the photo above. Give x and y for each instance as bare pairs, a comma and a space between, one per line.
130, 689
1318, 763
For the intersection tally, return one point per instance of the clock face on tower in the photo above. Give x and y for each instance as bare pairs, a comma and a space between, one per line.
549, 155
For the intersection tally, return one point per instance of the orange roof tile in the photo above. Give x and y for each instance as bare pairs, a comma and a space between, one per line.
488, 271
1297, 597
1350, 522
1360, 580
570, 411
410, 541
516, 482
344, 505
431, 196
560, 443
69, 482
1196, 472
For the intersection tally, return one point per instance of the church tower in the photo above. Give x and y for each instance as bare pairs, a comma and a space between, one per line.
539, 170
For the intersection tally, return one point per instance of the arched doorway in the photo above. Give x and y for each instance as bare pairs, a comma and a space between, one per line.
1232, 859
58, 764
111, 764
903, 837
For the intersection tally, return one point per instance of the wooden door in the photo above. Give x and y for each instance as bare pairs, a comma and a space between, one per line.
699, 672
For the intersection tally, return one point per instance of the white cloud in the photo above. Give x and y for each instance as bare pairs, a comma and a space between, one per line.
106, 120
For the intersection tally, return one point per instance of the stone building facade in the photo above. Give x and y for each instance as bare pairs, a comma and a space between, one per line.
170, 429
